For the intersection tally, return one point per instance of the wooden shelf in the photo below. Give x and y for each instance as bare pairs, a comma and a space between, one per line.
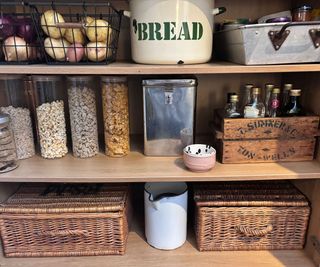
141, 69
139, 253
138, 168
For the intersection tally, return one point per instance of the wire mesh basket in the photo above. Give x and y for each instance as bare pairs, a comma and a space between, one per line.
77, 33
18, 37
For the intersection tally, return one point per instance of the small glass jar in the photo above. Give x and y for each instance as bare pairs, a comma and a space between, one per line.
51, 124
83, 116
8, 154
116, 115
302, 13
14, 103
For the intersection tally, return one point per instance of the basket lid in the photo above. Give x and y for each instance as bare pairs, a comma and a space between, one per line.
67, 198
248, 194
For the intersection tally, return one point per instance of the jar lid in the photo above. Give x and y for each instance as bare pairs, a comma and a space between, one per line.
288, 86
276, 90
114, 79
234, 98
11, 77
256, 90
303, 8
80, 78
249, 86
43, 78
4, 118
295, 92
269, 86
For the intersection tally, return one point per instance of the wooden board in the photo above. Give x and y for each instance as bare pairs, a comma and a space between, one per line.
138, 168
291, 127
253, 151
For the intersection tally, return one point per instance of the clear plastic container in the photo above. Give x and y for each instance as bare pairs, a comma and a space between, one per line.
51, 124
14, 103
116, 115
8, 155
83, 116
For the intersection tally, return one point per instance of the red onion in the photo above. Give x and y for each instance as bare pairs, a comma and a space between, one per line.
26, 29
7, 26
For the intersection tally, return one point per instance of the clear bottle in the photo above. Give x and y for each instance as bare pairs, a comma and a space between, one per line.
267, 94
286, 95
115, 105
51, 124
8, 154
245, 97
232, 109
294, 108
83, 116
14, 103
275, 103
256, 108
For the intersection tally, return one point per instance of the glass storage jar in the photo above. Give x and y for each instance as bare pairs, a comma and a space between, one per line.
14, 103
115, 115
83, 116
302, 13
51, 124
8, 155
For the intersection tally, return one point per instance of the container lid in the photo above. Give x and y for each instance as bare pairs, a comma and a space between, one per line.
114, 79
80, 78
248, 194
287, 86
67, 198
295, 92
256, 90
4, 118
276, 90
234, 98
269, 86
43, 78
169, 82
11, 77
302, 8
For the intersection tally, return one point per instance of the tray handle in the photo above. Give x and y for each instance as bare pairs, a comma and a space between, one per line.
250, 232
278, 37
60, 233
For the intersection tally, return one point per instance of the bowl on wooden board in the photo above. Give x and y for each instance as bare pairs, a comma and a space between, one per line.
199, 157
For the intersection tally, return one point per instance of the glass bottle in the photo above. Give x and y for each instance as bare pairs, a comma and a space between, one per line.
286, 95
256, 108
8, 154
83, 116
232, 108
51, 124
294, 108
115, 106
267, 94
14, 103
245, 96
274, 103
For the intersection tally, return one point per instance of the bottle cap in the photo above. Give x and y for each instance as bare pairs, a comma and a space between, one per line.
276, 90
4, 118
234, 98
295, 92
248, 86
269, 86
287, 86
256, 91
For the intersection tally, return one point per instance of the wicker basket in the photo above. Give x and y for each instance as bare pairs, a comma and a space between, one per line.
250, 216
65, 220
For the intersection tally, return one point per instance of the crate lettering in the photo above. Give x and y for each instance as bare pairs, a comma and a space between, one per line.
280, 156
276, 124
243, 151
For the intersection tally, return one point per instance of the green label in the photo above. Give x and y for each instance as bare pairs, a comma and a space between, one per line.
168, 31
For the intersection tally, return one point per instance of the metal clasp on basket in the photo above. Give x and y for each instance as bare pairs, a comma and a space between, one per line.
315, 37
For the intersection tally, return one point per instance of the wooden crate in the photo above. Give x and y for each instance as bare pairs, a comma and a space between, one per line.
255, 140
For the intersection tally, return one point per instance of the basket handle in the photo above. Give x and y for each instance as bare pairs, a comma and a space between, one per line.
53, 233
249, 232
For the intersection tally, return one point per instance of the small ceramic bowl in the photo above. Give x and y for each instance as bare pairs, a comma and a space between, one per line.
199, 158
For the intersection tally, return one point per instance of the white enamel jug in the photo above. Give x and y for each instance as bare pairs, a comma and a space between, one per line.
165, 207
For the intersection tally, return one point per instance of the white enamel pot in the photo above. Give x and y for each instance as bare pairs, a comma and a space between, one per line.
172, 31
165, 206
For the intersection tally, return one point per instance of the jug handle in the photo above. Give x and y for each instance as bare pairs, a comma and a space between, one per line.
218, 10
156, 202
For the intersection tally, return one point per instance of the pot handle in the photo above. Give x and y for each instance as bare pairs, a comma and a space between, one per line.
127, 13
218, 10
156, 202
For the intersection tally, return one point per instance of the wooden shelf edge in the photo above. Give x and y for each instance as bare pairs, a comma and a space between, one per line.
138, 168
126, 68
